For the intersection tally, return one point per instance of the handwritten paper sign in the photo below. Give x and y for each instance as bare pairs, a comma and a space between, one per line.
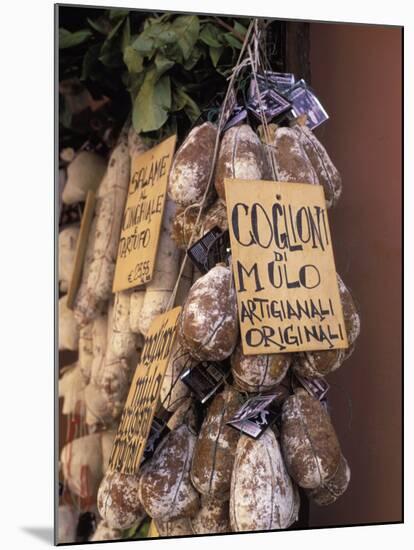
284, 267
143, 397
144, 208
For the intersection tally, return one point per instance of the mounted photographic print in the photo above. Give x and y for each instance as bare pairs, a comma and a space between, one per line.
229, 274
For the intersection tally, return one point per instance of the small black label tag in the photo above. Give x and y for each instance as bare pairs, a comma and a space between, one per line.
205, 378
305, 102
211, 249
281, 82
255, 415
71, 213
316, 387
238, 115
271, 104
158, 431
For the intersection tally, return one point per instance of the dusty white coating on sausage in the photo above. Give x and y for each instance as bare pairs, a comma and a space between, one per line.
255, 373
292, 162
123, 340
165, 488
118, 501
173, 390
135, 306
81, 463
68, 327
328, 174
85, 351
263, 495
85, 172
208, 324
213, 517
241, 156
333, 488
175, 528
190, 169
104, 532
68, 238
111, 200
309, 443
216, 444
160, 288
72, 389
67, 523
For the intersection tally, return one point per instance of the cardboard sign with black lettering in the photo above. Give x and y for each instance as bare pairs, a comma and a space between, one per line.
143, 398
81, 245
284, 269
142, 220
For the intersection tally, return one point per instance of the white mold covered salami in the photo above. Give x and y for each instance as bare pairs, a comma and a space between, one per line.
331, 490
317, 364
241, 156
208, 324
160, 289
83, 463
325, 169
68, 239
104, 532
174, 528
213, 517
258, 373
263, 496
68, 327
85, 351
165, 488
109, 212
124, 340
292, 162
192, 164
216, 446
118, 501
309, 442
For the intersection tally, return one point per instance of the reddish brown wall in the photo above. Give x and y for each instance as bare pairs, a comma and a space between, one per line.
356, 72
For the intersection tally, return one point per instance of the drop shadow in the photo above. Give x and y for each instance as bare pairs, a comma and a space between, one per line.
43, 533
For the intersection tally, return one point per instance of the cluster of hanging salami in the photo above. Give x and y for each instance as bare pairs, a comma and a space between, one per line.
206, 475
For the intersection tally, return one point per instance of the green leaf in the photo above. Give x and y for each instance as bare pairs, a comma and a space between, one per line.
149, 40
118, 13
69, 39
111, 55
162, 64
215, 54
239, 29
115, 29
90, 60
187, 28
211, 35
196, 53
100, 25
133, 60
166, 37
232, 41
181, 100
111, 50
151, 106
134, 83
126, 35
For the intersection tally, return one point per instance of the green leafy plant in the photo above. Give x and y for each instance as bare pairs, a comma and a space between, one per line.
171, 66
